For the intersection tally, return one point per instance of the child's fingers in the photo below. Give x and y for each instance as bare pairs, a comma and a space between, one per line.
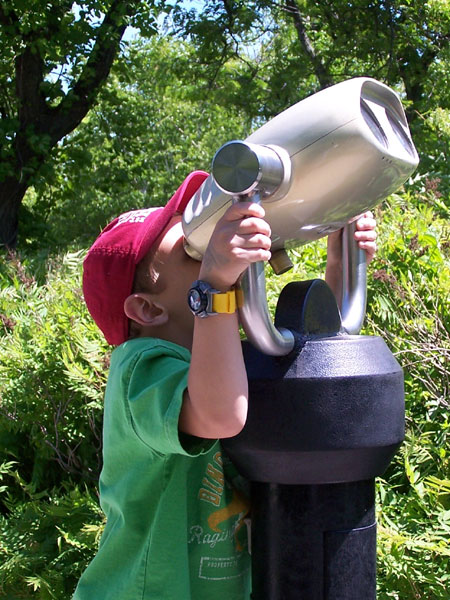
370, 249
259, 255
368, 245
243, 224
367, 242
252, 225
251, 255
366, 222
243, 219
241, 210
366, 235
254, 240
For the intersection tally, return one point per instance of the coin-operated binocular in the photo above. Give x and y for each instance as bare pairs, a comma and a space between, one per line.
314, 167
326, 409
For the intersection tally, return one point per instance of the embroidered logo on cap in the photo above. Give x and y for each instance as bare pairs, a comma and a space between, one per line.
134, 216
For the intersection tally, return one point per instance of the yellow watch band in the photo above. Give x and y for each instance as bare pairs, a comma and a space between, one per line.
224, 303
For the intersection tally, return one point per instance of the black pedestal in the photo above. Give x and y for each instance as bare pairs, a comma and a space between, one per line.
323, 422
313, 542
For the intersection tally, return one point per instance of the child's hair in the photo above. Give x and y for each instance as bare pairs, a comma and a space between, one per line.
145, 280
111, 269
145, 277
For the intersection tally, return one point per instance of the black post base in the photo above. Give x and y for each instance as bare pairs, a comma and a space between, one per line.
314, 542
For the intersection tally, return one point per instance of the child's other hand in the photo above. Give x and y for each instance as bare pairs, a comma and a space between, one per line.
241, 237
365, 235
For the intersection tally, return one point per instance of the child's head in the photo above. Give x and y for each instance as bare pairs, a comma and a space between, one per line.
111, 274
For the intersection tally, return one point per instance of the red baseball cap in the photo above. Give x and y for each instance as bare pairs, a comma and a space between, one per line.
110, 265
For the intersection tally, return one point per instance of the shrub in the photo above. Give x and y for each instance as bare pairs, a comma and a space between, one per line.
52, 373
408, 307
47, 540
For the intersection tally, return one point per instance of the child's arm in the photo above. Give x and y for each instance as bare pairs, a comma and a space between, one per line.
365, 235
215, 403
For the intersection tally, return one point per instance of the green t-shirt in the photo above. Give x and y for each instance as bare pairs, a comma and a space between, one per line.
174, 527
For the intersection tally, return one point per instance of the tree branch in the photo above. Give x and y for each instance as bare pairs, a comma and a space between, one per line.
414, 72
29, 77
320, 70
8, 18
73, 108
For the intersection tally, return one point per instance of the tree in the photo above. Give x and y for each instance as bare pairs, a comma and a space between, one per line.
398, 42
301, 46
53, 63
138, 142
54, 59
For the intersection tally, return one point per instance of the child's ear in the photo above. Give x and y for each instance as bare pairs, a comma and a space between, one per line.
144, 310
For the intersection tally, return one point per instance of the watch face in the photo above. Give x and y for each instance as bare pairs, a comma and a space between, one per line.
195, 300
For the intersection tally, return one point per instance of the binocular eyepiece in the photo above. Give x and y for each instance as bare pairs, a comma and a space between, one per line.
242, 169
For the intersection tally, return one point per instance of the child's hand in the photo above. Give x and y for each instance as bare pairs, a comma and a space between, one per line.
365, 235
241, 237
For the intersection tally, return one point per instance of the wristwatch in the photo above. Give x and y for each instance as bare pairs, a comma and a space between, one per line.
205, 301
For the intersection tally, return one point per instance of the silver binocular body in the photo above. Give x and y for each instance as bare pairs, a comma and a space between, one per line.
314, 167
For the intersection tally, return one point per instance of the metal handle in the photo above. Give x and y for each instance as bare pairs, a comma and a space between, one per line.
354, 282
255, 318
254, 312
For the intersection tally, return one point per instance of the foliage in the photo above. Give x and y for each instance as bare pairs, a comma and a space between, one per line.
303, 45
54, 57
46, 540
409, 309
52, 374
144, 136
263, 56
291, 48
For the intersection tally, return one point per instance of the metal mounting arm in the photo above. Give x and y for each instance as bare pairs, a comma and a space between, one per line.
254, 312
354, 283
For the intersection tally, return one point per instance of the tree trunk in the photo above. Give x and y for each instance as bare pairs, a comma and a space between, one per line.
42, 122
319, 66
12, 192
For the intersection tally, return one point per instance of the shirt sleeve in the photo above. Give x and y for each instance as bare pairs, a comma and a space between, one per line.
155, 388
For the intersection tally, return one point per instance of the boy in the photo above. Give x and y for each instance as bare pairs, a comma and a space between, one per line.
177, 383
